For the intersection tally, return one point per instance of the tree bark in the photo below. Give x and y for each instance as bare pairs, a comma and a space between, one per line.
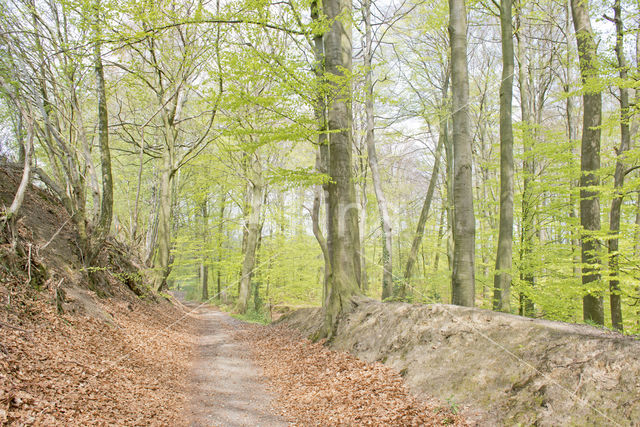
502, 278
204, 280
253, 232
161, 259
219, 245
527, 232
463, 277
322, 156
592, 302
342, 213
106, 204
12, 213
204, 267
443, 216
385, 220
616, 203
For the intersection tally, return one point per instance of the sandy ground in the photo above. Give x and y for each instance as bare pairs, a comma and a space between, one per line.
228, 388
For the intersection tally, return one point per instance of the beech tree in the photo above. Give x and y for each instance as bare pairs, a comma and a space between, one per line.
463, 275
589, 163
502, 280
343, 229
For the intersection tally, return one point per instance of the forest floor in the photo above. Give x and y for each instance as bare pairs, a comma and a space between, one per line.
69, 370
247, 374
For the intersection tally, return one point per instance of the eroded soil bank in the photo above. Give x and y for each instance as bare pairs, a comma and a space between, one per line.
511, 369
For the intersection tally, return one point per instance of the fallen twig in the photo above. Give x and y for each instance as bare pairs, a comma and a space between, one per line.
54, 235
6, 325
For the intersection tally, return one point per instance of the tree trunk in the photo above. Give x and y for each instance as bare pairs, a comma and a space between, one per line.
385, 220
106, 204
322, 156
448, 149
161, 259
616, 203
572, 133
593, 310
502, 278
204, 280
463, 277
12, 213
443, 213
253, 231
204, 268
342, 213
219, 244
315, 220
528, 167
424, 214
363, 202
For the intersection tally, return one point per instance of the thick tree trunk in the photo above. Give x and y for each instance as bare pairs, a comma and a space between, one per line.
342, 215
593, 310
448, 149
320, 111
502, 278
253, 232
616, 203
463, 277
161, 258
385, 220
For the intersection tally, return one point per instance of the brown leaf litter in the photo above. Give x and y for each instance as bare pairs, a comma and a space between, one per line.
318, 386
76, 371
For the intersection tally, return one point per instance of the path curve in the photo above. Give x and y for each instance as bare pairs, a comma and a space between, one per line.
227, 388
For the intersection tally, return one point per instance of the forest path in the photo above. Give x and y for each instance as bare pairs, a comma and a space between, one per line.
227, 388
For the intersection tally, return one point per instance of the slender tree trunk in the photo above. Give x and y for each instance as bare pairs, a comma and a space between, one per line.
204, 280
364, 202
385, 220
528, 211
12, 213
136, 208
463, 277
502, 278
219, 244
204, 268
424, 214
616, 203
317, 232
572, 133
592, 301
342, 213
443, 216
106, 204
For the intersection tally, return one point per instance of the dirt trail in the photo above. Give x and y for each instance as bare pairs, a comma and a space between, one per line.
228, 389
